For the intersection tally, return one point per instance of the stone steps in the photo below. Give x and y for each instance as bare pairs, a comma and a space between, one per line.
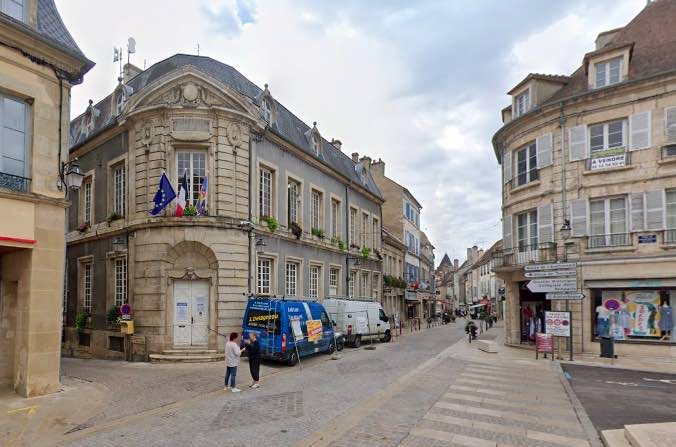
641, 435
187, 355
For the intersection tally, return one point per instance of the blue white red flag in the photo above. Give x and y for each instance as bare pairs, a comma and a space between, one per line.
202, 201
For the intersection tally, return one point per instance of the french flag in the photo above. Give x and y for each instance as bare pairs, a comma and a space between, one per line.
182, 194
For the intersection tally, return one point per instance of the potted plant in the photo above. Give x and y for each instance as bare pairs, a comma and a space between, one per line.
296, 230
190, 211
113, 315
318, 232
84, 226
365, 252
113, 216
81, 321
341, 245
271, 222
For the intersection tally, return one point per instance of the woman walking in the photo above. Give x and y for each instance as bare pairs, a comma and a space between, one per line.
253, 350
232, 354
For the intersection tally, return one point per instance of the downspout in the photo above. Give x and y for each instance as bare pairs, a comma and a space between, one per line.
250, 224
564, 203
347, 242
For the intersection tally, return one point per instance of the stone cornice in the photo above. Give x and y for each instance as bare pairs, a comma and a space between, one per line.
34, 198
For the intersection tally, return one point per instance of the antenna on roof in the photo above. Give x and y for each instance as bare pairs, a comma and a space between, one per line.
117, 57
131, 47
198, 48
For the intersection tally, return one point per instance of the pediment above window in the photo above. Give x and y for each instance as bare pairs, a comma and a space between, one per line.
267, 106
314, 140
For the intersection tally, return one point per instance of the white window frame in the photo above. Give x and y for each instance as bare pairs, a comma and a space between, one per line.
316, 144
610, 238
335, 218
291, 275
334, 280
192, 170
119, 172
352, 286
532, 172
606, 125
87, 285
316, 201
264, 276
21, 3
375, 225
265, 191
88, 200
120, 272
315, 283
605, 80
365, 218
364, 284
375, 285
266, 110
522, 103
294, 205
7, 128
354, 237
531, 231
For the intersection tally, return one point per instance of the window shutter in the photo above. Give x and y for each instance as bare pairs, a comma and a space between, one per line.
543, 146
670, 124
637, 212
507, 165
545, 223
507, 232
578, 217
640, 130
577, 141
654, 210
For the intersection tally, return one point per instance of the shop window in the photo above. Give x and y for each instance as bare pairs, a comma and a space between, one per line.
635, 314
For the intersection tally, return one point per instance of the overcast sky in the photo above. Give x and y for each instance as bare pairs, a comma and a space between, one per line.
418, 84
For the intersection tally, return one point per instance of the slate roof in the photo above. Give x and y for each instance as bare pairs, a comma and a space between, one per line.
560, 79
51, 30
445, 260
288, 126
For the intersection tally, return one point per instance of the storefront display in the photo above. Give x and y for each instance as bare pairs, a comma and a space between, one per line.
634, 315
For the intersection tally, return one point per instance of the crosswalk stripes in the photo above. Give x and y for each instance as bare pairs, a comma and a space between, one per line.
542, 409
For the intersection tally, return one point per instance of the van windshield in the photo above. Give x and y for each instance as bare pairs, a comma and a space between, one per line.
263, 319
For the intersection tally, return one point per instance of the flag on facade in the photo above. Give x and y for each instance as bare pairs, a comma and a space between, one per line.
164, 195
202, 201
182, 195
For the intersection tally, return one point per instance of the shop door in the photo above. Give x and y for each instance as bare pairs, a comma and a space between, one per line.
191, 313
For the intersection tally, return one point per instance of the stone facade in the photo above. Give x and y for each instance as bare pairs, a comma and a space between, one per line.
394, 251
35, 90
598, 190
187, 279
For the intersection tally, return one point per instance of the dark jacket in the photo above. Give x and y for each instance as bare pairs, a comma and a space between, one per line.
254, 350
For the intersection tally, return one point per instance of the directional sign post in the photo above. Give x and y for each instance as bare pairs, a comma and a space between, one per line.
571, 296
552, 285
550, 273
550, 266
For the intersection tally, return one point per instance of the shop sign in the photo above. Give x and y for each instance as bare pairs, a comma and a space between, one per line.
550, 266
557, 323
573, 296
550, 273
411, 296
647, 239
611, 158
552, 285
544, 343
314, 330
501, 291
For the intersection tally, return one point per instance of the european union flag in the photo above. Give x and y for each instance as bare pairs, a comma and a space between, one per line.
164, 195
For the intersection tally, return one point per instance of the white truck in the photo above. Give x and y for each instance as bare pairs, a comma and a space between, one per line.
359, 320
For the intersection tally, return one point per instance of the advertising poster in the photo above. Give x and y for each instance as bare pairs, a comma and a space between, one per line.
644, 306
296, 329
314, 330
557, 323
181, 311
544, 342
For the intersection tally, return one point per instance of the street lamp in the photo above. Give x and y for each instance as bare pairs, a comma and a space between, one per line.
70, 175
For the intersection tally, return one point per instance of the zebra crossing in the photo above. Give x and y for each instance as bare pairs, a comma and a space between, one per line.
514, 403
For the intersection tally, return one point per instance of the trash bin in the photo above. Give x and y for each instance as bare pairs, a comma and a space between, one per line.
608, 347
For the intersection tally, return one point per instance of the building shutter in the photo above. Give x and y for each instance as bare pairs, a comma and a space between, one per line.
577, 141
545, 223
670, 124
543, 146
637, 212
654, 210
507, 165
507, 232
640, 130
578, 217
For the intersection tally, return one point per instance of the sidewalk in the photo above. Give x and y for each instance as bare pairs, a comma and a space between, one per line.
637, 363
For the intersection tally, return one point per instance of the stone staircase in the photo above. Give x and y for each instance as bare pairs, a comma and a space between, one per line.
641, 435
187, 355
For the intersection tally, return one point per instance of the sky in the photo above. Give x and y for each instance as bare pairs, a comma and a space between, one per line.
418, 84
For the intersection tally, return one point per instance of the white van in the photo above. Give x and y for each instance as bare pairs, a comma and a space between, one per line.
359, 320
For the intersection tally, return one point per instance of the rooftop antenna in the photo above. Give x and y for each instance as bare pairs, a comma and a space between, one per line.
198, 48
131, 47
117, 57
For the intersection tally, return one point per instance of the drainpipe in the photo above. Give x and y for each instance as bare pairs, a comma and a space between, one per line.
562, 125
250, 226
347, 240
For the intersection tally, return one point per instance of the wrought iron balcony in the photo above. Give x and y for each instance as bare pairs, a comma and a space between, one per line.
524, 254
14, 182
609, 240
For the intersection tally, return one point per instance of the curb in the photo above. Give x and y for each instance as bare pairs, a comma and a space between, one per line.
582, 416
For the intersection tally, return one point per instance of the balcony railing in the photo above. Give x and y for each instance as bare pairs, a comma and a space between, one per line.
525, 254
609, 240
14, 182
670, 236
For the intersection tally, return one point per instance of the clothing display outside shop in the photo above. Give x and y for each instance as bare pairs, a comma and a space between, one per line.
532, 321
634, 314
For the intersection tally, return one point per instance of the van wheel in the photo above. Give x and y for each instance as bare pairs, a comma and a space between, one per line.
386, 338
340, 344
357, 341
332, 348
292, 360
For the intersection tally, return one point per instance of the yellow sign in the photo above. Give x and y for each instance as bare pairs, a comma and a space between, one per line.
314, 330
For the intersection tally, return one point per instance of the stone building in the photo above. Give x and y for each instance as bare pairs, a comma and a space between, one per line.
432, 305
39, 63
287, 213
401, 217
394, 252
489, 285
445, 281
589, 176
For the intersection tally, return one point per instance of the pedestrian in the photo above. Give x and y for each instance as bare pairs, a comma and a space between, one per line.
253, 350
232, 355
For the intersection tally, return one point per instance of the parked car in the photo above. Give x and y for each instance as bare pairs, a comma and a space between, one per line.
359, 320
281, 327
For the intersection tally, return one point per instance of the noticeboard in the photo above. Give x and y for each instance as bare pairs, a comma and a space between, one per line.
314, 330
544, 343
557, 323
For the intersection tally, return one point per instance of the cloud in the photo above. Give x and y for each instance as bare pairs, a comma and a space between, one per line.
419, 84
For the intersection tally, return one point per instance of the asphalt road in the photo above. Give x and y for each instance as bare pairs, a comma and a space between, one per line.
616, 397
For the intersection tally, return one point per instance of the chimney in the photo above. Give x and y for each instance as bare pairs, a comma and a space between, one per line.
606, 37
336, 143
469, 255
366, 162
355, 157
475, 253
456, 264
378, 167
129, 71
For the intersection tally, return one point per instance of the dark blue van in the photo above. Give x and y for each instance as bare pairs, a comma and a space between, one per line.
272, 319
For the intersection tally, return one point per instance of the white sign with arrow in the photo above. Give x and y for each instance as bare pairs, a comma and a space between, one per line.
573, 296
552, 285
550, 266
550, 273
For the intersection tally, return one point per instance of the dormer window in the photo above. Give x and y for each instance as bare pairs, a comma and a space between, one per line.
13, 8
608, 72
266, 110
522, 103
316, 144
267, 106
314, 139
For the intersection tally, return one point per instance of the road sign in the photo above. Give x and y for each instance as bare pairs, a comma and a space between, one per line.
550, 273
552, 285
573, 296
550, 266
557, 323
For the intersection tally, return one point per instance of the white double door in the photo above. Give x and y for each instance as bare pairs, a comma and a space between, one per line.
191, 313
